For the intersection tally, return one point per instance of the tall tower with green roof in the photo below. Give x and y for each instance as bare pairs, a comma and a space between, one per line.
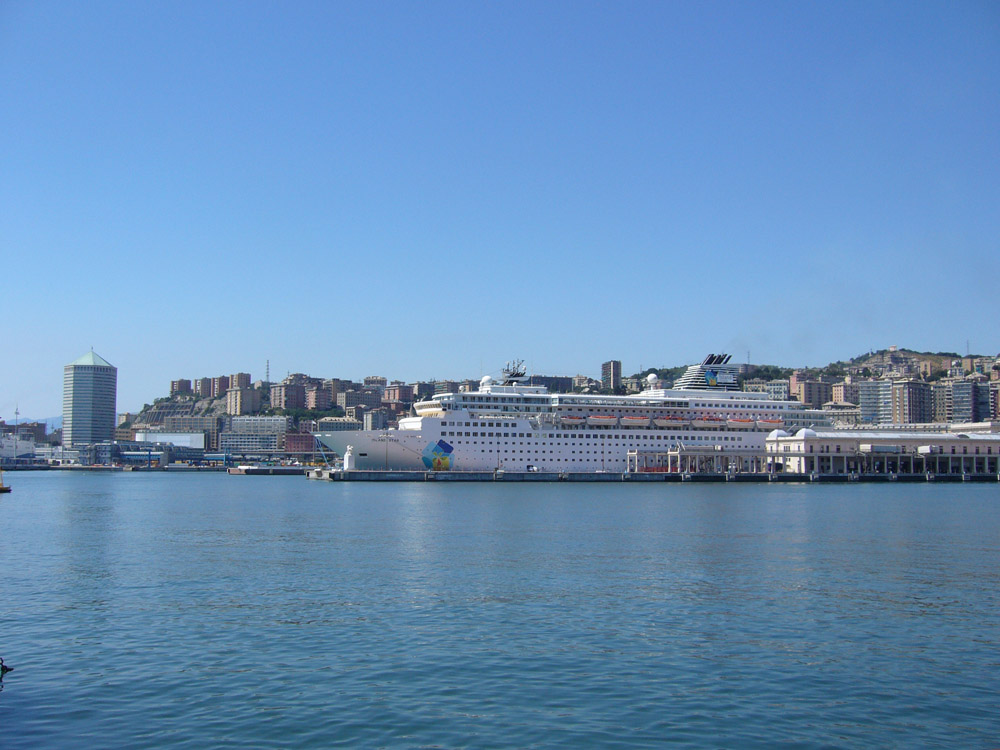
90, 394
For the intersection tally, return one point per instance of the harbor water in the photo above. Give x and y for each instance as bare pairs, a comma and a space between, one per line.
204, 610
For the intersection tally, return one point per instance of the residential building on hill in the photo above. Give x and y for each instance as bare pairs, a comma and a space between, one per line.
318, 398
912, 402
180, 386
241, 401
288, 396
611, 375
875, 400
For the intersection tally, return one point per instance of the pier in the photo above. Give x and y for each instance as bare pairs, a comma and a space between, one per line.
339, 475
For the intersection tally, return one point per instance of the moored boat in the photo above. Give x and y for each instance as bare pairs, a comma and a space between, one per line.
511, 425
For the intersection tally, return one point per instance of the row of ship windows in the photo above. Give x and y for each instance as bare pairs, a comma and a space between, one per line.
490, 450
706, 438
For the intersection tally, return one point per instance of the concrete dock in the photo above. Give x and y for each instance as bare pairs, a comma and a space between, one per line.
336, 475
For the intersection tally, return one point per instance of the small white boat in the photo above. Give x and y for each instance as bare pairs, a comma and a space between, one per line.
708, 422
602, 420
671, 422
740, 424
571, 421
635, 421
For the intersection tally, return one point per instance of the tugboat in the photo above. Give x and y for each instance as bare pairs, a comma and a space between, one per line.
3, 487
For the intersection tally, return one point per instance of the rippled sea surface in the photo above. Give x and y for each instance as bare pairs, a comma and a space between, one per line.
145, 610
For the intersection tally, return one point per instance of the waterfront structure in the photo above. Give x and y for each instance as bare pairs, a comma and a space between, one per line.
90, 392
300, 443
611, 375
124, 433
883, 451
209, 426
179, 439
511, 425
254, 435
16, 448
36, 431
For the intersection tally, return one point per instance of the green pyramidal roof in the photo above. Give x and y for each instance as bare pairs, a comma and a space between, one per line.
91, 358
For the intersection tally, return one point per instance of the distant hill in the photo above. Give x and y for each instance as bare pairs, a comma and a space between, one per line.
874, 360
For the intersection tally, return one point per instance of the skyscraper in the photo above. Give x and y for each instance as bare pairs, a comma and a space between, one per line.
90, 393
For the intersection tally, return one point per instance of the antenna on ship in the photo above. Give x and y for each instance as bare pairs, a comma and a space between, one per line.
514, 372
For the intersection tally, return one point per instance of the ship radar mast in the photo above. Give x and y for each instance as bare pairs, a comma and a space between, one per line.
514, 372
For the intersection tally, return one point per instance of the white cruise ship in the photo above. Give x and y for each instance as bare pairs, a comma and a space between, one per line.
512, 426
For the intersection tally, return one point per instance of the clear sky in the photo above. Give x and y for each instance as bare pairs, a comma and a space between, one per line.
426, 189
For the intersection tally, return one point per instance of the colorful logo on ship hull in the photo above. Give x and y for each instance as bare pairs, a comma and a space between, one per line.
437, 456
712, 378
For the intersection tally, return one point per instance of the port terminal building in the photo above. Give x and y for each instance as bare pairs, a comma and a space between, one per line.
836, 452
871, 452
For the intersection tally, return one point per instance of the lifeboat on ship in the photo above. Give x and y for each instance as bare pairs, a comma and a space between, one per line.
602, 420
770, 424
740, 424
708, 422
671, 422
569, 421
635, 421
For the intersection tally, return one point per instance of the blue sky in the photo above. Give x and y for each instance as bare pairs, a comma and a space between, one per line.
426, 190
